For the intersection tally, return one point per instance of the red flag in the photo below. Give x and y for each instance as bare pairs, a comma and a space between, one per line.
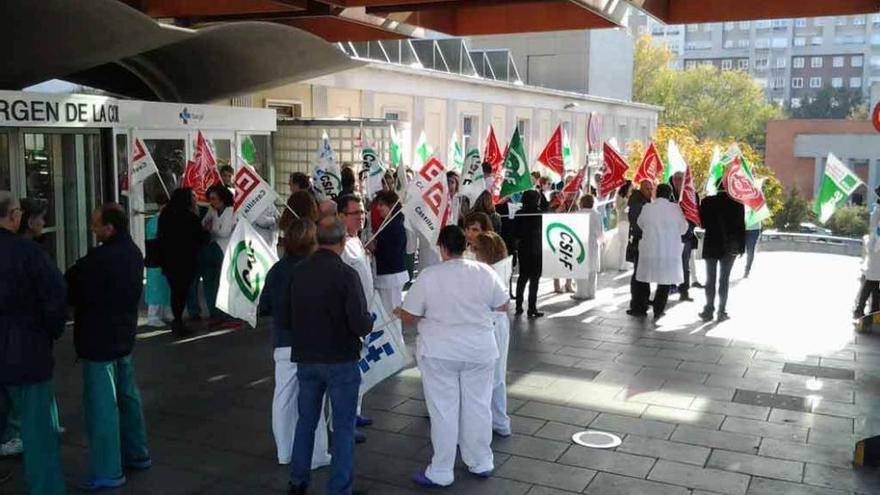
740, 188
571, 190
651, 166
551, 157
492, 153
498, 173
688, 199
201, 172
615, 169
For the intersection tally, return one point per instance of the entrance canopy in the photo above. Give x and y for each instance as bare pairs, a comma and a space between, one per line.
108, 45
364, 20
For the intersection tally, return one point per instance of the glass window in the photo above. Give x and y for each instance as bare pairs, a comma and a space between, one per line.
726, 64
170, 158
800, 22
836, 82
795, 103
815, 82
780, 63
690, 64
693, 28
819, 21
855, 82
728, 43
778, 83
523, 126
797, 82
762, 43
762, 24
858, 20
856, 61
743, 64
875, 18
816, 41
840, 21
743, 25
728, 26
780, 42
800, 41
816, 62
762, 63
761, 82
797, 62
743, 43
469, 128
837, 62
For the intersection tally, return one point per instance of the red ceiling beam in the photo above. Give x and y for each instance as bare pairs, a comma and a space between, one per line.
334, 29
382, 3
211, 8
476, 18
694, 11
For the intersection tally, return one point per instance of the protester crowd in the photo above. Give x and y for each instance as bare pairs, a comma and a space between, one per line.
336, 254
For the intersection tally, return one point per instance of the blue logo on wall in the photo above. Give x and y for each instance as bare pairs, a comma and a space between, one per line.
185, 116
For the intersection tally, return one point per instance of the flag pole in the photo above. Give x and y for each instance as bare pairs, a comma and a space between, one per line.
386, 221
162, 181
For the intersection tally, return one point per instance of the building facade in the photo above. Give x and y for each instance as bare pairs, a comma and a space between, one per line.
791, 58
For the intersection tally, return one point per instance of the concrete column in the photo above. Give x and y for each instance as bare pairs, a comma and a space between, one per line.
453, 121
319, 101
873, 179
418, 125
367, 104
818, 172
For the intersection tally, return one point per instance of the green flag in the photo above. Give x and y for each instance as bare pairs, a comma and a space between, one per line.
674, 161
567, 159
515, 167
248, 150
455, 153
423, 152
716, 171
837, 184
396, 151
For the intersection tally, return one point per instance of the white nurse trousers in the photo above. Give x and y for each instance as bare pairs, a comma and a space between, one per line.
459, 396
500, 419
586, 287
285, 412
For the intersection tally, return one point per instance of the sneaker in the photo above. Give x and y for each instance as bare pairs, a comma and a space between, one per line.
706, 315
723, 316
483, 474
140, 464
12, 448
363, 421
420, 479
503, 433
95, 484
518, 311
155, 323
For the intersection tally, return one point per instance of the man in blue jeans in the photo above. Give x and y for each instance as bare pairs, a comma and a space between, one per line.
725, 239
328, 316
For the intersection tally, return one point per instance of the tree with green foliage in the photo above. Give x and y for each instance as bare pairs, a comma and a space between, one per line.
849, 221
829, 103
794, 211
713, 104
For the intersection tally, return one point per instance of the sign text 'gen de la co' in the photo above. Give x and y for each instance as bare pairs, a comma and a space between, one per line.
70, 112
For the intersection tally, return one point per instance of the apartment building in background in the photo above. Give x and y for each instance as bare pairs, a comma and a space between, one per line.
792, 59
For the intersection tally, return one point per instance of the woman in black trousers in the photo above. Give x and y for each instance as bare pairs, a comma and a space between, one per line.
527, 229
179, 239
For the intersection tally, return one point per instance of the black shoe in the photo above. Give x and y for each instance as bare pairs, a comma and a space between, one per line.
685, 297
706, 315
518, 311
698, 285
179, 329
297, 490
535, 314
722, 316
657, 316
359, 437
637, 314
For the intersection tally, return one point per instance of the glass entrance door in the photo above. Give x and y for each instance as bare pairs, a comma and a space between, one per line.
63, 169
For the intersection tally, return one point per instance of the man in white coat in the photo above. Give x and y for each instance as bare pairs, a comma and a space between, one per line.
662, 224
454, 304
352, 213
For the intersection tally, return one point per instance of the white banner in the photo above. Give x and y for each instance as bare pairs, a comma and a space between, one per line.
384, 352
142, 164
253, 195
426, 200
246, 263
326, 180
564, 245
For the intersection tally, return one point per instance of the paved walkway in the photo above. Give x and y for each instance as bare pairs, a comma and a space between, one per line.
685, 397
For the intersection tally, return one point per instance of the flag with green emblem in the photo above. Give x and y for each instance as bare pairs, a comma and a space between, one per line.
515, 168
837, 185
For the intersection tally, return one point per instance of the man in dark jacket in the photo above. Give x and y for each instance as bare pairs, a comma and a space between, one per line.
328, 317
725, 239
105, 290
32, 304
688, 240
640, 292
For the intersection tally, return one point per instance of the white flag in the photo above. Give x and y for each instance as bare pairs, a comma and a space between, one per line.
375, 171
325, 152
246, 263
564, 245
427, 200
473, 183
142, 164
384, 352
253, 195
326, 180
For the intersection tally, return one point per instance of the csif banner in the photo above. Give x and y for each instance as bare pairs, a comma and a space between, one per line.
564, 245
384, 352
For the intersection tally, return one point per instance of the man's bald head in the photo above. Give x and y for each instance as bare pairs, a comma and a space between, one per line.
331, 233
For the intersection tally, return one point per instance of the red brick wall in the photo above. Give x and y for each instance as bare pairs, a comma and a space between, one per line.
780, 157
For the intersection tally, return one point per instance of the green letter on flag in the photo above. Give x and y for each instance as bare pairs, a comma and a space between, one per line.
516, 168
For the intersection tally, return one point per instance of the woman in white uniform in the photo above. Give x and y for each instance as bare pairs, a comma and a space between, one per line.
454, 304
586, 288
489, 248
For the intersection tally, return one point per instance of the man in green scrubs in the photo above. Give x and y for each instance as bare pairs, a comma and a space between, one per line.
31, 318
105, 289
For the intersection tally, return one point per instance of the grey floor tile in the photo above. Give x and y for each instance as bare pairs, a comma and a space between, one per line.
654, 447
611, 484
608, 460
561, 414
756, 465
731, 409
763, 486
864, 481
787, 432
636, 426
816, 454
527, 446
716, 439
546, 473
697, 477
815, 421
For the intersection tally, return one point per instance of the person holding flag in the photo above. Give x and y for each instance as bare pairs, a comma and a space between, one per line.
724, 240
219, 222
689, 239
527, 227
621, 200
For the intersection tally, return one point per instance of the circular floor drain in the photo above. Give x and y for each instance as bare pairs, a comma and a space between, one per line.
596, 439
